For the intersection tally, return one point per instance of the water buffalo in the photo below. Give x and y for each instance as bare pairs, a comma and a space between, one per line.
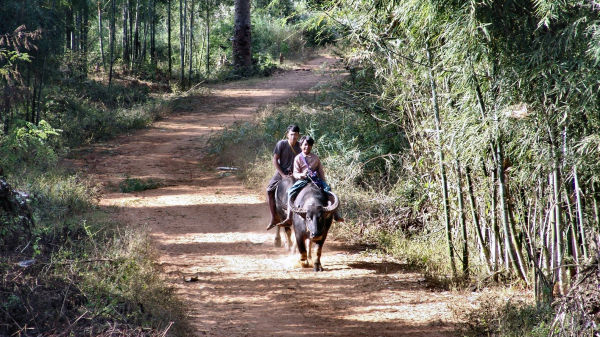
313, 215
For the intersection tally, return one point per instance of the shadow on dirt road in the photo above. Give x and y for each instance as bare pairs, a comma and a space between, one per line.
211, 227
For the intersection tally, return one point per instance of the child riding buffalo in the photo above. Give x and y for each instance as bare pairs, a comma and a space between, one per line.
307, 168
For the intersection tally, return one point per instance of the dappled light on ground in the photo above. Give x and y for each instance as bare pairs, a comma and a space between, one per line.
212, 246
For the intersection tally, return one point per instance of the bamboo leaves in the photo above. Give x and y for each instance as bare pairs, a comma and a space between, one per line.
519, 99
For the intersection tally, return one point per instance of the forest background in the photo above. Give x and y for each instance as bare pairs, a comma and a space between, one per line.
464, 141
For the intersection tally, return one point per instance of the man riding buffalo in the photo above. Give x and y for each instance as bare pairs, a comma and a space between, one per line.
307, 169
283, 160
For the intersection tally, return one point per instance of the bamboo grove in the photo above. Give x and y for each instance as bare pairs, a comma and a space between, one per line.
499, 104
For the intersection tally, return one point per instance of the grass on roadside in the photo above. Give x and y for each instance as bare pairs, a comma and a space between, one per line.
136, 185
381, 206
88, 274
505, 312
77, 272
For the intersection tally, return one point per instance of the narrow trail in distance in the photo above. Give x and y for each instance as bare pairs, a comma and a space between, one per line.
207, 224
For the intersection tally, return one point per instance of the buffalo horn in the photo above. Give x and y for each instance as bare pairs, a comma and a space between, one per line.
335, 204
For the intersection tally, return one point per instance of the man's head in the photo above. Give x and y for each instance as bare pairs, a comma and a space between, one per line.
293, 131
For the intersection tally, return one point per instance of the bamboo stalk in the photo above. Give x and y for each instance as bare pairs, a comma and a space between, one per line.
463, 223
475, 216
580, 218
446, 205
557, 228
510, 241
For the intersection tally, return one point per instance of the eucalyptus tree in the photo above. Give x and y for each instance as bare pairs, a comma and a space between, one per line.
113, 20
242, 54
101, 34
125, 34
182, 35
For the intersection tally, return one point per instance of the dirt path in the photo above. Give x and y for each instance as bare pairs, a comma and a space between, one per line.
208, 225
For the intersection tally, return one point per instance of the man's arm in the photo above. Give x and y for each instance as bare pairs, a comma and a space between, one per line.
277, 166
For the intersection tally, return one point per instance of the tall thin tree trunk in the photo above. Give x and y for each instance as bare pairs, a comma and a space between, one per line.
69, 27
153, 36
100, 36
77, 31
475, 216
559, 274
136, 36
169, 38
130, 36
497, 241
191, 59
207, 38
181, 43
112, 39
510, 240
39, 92
124, 41
84, 30
145, 38
440, 156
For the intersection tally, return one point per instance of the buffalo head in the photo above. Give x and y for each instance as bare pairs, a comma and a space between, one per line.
317, 217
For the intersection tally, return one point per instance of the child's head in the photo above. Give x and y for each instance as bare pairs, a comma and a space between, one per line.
306, 144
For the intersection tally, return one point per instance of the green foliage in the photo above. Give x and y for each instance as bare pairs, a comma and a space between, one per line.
319, 30
271, 36
29, 145
265, 65
125, 283
109, 272
136, 185
98, 112
274, 8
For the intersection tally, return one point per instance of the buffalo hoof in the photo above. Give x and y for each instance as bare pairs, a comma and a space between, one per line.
318, 267
303, 264
277, 242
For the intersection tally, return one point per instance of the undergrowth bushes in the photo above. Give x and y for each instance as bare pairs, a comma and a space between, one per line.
506, 316
82, 120
78, 273
354, 148
384, 203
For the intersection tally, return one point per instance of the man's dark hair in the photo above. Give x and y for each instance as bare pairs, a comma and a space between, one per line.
308, 139
294, 128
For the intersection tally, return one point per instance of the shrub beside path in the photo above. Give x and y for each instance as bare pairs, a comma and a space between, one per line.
207, 225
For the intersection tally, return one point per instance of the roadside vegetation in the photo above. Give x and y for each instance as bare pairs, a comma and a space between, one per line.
464, 142
73, 73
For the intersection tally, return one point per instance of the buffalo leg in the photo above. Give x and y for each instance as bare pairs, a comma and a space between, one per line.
288, 236
302, 250
317, 261
277, 241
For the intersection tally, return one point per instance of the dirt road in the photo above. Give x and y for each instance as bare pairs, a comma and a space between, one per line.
206, 224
